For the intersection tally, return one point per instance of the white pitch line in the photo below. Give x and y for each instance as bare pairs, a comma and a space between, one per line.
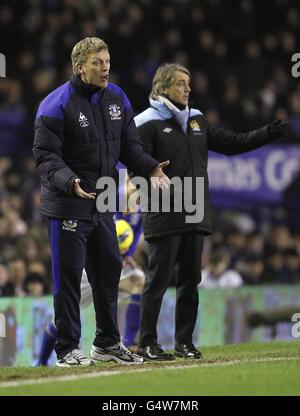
94, 374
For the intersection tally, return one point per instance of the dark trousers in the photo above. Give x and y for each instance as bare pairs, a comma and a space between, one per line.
95, 247
164, 253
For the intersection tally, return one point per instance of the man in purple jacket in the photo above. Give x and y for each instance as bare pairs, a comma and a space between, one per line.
82, 129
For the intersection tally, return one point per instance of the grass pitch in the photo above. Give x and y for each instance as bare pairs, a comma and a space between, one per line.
239, 369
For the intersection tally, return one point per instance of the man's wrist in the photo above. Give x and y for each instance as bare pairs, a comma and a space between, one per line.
71, 185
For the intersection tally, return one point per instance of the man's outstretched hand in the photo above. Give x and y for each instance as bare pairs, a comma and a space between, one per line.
277, 128
78, 191
158, 178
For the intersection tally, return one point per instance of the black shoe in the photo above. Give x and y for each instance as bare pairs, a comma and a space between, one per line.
187, 351
154, 353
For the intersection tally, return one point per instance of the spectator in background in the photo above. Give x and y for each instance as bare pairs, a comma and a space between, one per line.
217, 274
200, 85
235, 242
255, 243
274, 266
13, 118
251, 268
37, 267
280, 238
17, 274
29, 250
34, 285
292, 266
6, 288
296, 241
3, 235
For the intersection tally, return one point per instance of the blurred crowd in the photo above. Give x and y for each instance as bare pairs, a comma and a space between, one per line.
239, 53
25, 265
234, 256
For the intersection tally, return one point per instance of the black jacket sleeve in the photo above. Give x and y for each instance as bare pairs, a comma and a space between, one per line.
132, 153
232, 143
147, 134
47, 153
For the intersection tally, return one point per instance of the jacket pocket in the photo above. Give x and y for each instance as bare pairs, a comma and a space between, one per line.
52, 192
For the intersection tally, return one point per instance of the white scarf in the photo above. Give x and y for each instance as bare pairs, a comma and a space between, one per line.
181, 116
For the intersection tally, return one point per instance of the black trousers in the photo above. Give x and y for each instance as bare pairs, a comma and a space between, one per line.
75, 245
164, 253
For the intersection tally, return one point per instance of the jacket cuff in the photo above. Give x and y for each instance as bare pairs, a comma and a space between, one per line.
63, 179
70, 185
149, 165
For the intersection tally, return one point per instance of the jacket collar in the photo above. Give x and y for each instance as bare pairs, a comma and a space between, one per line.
83, 88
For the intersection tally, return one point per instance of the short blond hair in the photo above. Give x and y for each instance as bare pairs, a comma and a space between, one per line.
164, 78
83, 48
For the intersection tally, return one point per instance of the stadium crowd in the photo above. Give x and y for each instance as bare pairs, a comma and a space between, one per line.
239, 53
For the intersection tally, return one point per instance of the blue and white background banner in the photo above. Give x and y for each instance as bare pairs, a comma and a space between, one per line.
257, 177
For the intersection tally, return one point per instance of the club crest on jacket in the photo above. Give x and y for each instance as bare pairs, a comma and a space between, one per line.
70, 225
195, 126
114, 112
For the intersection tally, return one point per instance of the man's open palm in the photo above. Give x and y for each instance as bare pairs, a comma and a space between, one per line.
78, 191
158, 178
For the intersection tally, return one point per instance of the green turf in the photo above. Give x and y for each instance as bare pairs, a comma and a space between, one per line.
253, 374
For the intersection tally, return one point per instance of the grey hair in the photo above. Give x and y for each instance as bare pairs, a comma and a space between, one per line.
164, 78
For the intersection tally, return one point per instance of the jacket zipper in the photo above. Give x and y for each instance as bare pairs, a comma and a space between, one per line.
96, 124
106, 142
187, 134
